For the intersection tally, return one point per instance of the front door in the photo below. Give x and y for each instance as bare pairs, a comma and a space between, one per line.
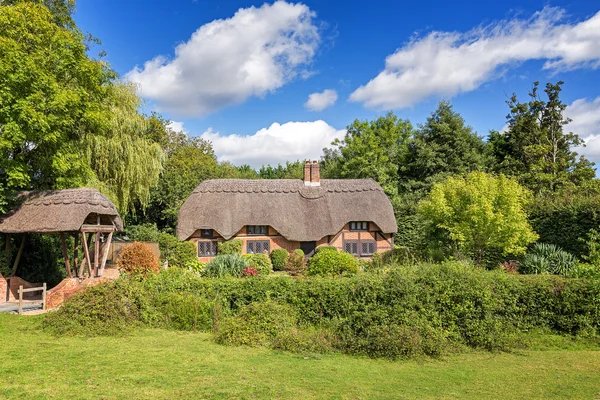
308, 248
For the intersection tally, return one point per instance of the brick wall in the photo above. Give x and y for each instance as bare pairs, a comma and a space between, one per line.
383, 241
3, 289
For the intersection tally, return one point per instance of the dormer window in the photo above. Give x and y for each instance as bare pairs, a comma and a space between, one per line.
206, 233
359, 226
257, 229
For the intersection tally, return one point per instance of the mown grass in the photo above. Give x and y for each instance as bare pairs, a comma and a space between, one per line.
156, 363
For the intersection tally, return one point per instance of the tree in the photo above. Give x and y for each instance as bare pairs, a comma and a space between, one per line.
370, 149
535, 148
51, 95
291, 170
192, 162
481, 212
443, 146
125, 162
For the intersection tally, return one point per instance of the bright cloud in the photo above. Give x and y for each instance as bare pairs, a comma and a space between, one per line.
586, 123
276, 144
255, 52
320, 101
177, 126
448, 63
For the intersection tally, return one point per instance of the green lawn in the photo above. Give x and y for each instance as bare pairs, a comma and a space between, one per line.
166, 364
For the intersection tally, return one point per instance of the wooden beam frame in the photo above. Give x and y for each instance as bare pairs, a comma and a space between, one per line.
96, 253
86, 251
105, 252
19, 254
76, 252
63, 243
97, 228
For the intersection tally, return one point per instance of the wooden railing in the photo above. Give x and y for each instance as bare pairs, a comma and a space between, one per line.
28, 290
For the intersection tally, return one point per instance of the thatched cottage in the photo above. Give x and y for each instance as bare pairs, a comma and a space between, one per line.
353, 215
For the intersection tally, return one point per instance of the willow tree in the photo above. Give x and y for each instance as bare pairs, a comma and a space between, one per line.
125, 161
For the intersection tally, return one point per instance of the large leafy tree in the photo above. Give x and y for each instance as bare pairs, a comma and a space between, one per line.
481, 213
443, 146
191, 161
51, 95
125, 161
535, 148
370, 149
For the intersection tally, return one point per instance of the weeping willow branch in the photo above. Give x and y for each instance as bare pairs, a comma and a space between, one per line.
126, 164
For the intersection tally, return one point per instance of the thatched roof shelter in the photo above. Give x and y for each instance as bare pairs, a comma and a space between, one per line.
83, 212
58, 211
297, 211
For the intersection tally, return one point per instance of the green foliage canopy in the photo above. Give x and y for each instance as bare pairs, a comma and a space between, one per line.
481, 212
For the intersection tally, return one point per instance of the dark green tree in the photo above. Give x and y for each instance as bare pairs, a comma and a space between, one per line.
443, 146
535, 148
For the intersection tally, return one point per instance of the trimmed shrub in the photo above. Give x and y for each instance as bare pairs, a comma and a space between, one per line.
138, 258
331, 262
184, 256
261, 262
279, 259
225, 265
325, 248
296, 264
230, 247
547, 259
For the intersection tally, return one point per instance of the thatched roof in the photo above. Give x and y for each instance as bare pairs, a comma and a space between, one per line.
55, 211
296, 211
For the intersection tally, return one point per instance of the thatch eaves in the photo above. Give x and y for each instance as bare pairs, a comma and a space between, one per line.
296, 211
55, 211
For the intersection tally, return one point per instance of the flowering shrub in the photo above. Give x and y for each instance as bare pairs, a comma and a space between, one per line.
250, 270
261, 262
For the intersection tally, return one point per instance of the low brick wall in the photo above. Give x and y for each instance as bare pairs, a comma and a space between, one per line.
3, 289
69, 286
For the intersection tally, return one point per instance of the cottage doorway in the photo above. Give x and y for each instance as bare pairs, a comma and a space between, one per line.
308, 248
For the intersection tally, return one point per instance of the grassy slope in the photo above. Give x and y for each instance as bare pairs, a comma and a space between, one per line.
169, 365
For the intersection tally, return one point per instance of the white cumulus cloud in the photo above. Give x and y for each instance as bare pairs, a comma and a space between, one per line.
276, 144
320, 101
255, 52
177, 126
586, 123
448, 63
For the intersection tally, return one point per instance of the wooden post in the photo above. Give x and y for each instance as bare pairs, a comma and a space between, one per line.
19, 253
7, 244
86, 251
21, 299
66, 255
105, 255
44, 297
96, 253
76, 253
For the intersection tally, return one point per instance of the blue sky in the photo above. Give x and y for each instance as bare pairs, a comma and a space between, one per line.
241, 73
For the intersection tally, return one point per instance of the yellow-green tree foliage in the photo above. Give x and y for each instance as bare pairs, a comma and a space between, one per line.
481, 212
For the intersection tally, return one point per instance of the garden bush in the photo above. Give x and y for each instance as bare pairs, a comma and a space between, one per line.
225, 265
546, 258
296, 263
184, 256
138, 258
331, 262
407, 311
261, 262
230, 247
279, 259
108, 309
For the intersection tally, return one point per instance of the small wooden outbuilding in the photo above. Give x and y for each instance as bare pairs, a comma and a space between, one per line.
83, 213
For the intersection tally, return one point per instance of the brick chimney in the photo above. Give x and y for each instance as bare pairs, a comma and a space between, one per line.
315, 174
307, 168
